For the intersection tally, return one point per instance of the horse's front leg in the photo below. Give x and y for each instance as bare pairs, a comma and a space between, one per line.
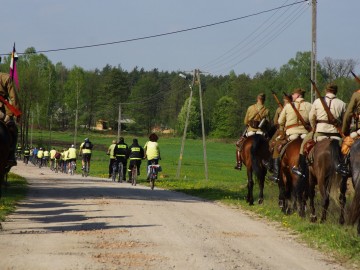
250, 186
342, 199
313, 217
261, 187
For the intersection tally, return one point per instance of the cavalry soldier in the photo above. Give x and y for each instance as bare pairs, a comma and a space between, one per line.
352, 112
320, 122
7, 91
290, 125
255, 114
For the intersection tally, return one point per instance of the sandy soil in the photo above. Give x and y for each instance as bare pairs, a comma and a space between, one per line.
69, 222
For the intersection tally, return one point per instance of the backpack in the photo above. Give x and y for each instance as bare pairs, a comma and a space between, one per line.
87, 145
57, 155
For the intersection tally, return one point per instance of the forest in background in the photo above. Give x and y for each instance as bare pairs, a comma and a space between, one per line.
53, 96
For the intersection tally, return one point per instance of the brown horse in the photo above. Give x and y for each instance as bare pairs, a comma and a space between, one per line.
5, 141
322, 172
354, 214
291, 188
254, 152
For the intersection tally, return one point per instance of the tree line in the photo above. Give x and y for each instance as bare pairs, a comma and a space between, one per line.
54, 97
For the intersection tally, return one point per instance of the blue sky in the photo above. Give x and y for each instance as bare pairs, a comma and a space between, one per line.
246, 46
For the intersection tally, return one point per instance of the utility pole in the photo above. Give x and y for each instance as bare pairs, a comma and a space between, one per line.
202, 124
119, 123
77, 111
313, 48
185, 128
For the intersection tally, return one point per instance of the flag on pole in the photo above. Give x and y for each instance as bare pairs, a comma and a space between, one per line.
13, 71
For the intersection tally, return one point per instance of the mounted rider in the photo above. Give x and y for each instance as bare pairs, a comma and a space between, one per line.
322, 127
8, 94
254, 120
291, 125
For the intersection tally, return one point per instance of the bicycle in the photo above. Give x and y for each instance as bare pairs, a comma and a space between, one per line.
153, 172
117, 167
134, 175
85, 171
72, 166
56, 166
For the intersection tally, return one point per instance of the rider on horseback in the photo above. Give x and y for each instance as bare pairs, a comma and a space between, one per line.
320, 123
255, 116
7, 91
290, 126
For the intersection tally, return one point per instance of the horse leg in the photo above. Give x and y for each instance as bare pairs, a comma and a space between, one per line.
261, 187
325, 194
313, 217
250, 186
281, 185
342, 199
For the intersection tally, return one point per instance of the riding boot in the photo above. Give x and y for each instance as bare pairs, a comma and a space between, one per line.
343, 167
276, 171
238, 161
14, 135
300, 170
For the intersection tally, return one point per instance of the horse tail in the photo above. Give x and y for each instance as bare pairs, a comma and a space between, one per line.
256, 160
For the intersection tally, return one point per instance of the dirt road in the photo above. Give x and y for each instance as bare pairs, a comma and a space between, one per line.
68, 222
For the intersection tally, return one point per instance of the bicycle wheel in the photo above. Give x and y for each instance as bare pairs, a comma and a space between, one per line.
113, 175
121, 172
86, 168
134, 175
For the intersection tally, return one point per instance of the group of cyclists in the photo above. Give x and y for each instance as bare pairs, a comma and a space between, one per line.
63, 160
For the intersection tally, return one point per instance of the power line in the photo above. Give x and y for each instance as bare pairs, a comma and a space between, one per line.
167, 33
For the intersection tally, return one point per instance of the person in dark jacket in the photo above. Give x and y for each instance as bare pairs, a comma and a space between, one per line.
136, 154
121, 152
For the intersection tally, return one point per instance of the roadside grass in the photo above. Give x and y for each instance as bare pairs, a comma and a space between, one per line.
228, 186
15, 192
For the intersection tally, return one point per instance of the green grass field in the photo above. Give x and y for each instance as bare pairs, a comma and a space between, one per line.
225, 185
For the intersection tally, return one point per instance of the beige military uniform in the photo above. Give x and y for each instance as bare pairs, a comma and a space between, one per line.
288, 120
7, 91
353, 111
254, 114
319, 119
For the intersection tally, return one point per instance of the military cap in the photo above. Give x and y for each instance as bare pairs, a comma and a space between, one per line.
262, 96
331, 87
298, 91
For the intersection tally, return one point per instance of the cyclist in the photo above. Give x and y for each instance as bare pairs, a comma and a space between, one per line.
71, 155
18, 151
85, 152
110, 152
52, 158
46, 157
121, 153
152, 151
40, 155
136, 154
57, 162
34, 156
26, 154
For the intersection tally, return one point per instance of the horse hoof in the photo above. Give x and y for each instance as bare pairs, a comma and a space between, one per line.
260, 201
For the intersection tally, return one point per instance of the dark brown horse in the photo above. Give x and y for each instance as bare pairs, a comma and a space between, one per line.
291, 188
322, 172
5, 141
254, 152
354, 214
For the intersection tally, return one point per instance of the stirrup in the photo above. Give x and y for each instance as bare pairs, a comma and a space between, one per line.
342, 170
274, 178
297, 172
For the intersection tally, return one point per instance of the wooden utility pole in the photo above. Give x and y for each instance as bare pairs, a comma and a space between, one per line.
202, 124
313, 48
77, 111
185, 129
119, 123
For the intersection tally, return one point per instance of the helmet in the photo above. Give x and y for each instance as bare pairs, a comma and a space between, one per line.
41, 148
113, 141
72, 146
86, 139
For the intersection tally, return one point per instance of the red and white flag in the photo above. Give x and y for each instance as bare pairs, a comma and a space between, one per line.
13, 71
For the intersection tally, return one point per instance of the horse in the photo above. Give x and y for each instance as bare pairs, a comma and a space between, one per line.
5, 142
291, 186
254, 154
326, 157
354, 213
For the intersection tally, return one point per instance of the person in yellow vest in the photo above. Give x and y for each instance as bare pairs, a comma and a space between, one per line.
46, 157
52, 158
290, 127
71, 155
110, 153
152, 151
320, 123
40, 155
66, 151
255, 114
85, 151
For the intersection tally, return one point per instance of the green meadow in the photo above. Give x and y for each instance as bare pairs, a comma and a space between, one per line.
224, 185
